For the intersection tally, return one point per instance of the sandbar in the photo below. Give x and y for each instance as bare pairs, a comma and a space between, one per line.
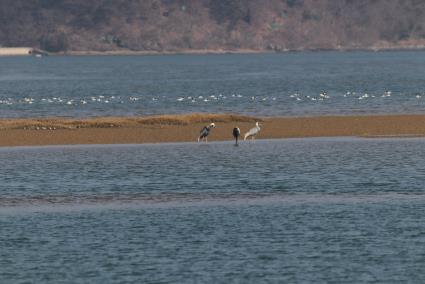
185, 128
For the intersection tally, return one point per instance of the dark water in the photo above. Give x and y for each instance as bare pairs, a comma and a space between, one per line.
340, 210
263, 84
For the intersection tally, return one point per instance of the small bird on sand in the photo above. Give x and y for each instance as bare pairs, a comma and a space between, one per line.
236, 134
205, 132
253, 131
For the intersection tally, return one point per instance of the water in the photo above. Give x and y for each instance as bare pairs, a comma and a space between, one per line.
329, 210
288, 84
340, 210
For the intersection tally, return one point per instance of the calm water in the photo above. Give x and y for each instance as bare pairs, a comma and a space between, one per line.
264, 84
340, 210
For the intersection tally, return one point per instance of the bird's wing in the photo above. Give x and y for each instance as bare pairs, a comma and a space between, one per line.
203, 130
252, 131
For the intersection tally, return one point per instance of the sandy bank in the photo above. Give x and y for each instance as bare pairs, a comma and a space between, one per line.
165, 52
380, 46
185, 128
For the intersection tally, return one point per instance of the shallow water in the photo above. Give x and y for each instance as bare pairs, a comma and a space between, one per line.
340, 210
318, 83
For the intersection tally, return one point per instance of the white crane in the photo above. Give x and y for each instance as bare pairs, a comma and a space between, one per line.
253, 131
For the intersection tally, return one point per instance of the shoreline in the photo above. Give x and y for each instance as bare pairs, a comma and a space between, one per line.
217, 51
233, 51
379, 47
185, 128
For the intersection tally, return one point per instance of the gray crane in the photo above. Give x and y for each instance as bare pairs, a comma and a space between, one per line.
236, 134
205, 132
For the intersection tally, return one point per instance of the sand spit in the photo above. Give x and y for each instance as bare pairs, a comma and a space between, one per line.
117, 122
185, 128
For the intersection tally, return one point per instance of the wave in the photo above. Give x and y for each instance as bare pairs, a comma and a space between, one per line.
172, 200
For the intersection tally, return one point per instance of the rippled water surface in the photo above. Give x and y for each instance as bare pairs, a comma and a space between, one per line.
343, 210
260, 84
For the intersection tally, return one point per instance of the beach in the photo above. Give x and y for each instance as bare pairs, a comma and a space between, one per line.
185, 128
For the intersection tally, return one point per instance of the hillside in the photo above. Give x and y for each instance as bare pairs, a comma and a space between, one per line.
181, 25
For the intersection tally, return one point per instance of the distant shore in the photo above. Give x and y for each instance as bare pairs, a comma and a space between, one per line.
185, 128
238, 51
165, 52
24, 51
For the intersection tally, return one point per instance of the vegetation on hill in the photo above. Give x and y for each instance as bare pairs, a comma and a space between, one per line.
176, 25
